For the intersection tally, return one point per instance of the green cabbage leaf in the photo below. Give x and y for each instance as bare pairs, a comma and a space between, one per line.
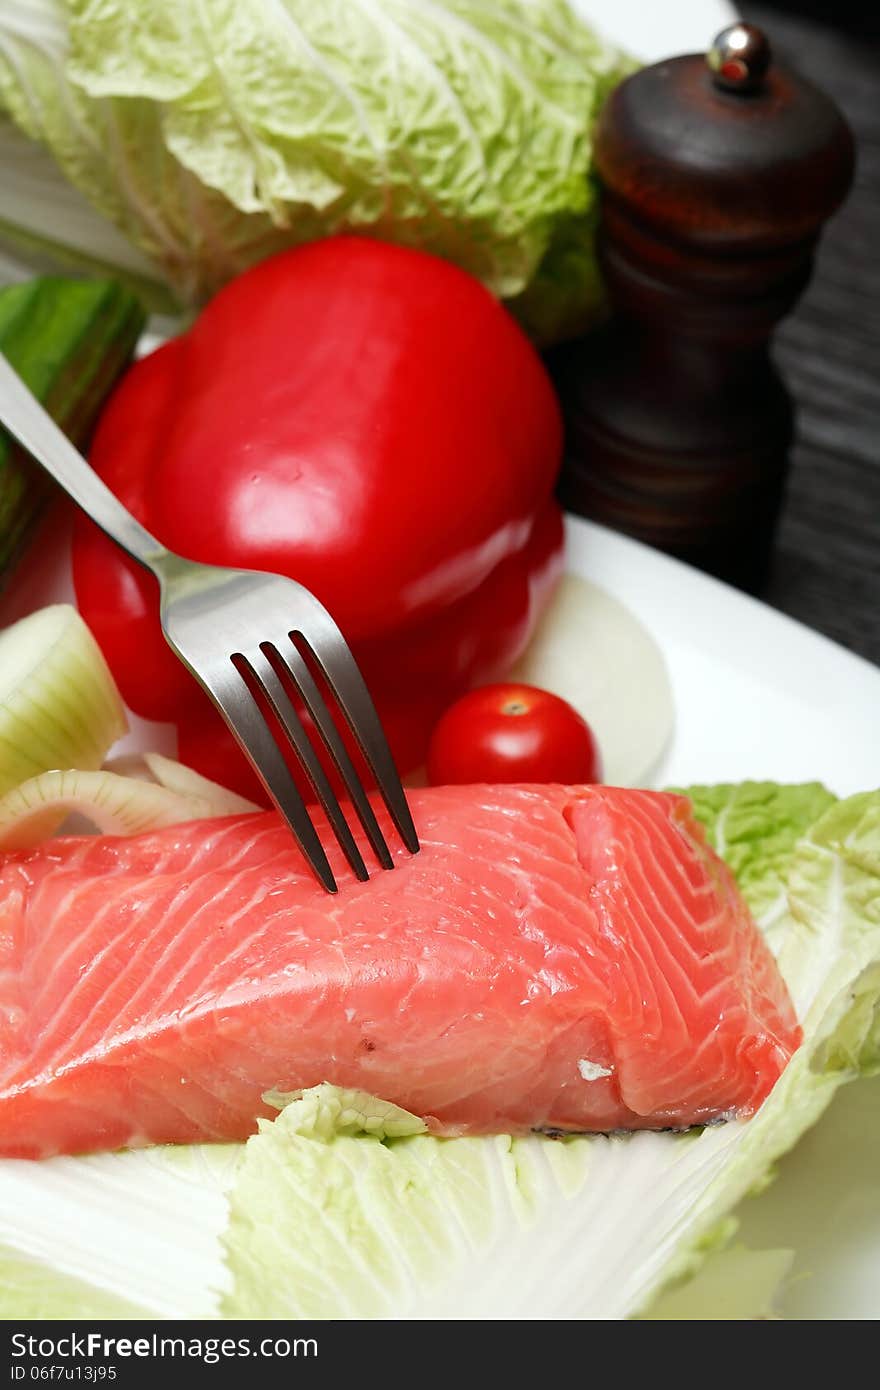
211, 133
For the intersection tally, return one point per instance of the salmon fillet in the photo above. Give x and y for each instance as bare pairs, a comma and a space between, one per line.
562, 958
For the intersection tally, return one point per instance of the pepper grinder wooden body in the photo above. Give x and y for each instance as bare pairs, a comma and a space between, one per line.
717, 176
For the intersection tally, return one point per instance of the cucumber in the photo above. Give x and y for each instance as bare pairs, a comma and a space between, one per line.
59, 706
69, 340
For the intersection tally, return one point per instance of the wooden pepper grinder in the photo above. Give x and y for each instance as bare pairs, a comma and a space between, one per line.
717, 175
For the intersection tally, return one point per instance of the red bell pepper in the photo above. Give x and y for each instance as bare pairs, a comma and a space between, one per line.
368, 420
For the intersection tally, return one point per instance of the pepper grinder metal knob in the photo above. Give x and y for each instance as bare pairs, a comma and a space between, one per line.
739, 57
717, 172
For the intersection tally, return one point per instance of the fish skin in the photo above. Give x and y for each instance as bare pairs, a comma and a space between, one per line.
153, 988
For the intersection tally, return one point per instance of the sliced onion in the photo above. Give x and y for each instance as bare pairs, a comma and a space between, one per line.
107, 802
594, 653
111, 804
183, 780
59, 706
165, 772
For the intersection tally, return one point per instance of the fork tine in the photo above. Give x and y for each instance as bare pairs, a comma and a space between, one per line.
349, 687
299, 672
255, 740
267, 678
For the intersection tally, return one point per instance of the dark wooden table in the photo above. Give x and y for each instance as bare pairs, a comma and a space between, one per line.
826, 569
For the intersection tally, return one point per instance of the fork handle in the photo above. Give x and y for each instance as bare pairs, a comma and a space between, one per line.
26, 419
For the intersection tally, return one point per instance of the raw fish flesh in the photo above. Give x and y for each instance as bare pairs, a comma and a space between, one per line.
555, 958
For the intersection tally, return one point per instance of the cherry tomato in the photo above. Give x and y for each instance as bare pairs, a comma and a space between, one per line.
512, 733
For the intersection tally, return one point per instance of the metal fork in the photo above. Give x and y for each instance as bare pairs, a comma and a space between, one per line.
235, 630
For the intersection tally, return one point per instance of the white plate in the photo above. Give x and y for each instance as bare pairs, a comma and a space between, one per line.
756, 694
759, 696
